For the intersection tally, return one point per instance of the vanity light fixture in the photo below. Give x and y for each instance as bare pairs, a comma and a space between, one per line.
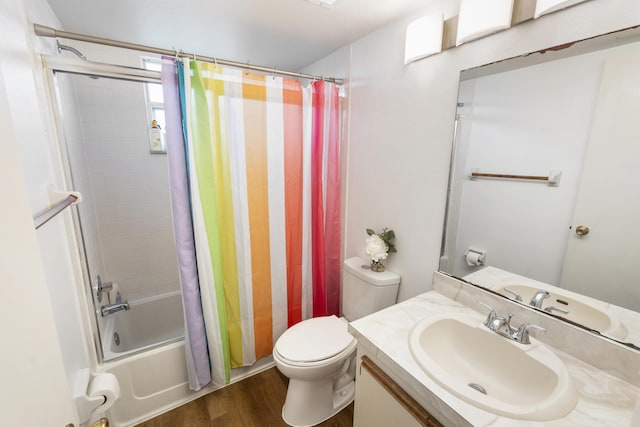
544, 7
478, 18
424, 37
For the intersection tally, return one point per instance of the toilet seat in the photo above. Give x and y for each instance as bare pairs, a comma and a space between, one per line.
315, 340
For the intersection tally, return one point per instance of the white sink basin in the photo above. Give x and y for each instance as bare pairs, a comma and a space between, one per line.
494, 373
588, 312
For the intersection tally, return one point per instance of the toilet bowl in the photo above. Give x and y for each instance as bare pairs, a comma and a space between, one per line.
318, 355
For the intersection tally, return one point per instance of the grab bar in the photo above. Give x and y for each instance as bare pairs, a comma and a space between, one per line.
552, 179
44, 217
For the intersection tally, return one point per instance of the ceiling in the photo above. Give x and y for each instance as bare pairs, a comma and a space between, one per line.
287, 34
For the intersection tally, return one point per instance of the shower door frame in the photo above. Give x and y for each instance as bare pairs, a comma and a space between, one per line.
66, 65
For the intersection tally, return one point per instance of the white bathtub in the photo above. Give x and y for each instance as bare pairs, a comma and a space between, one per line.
147, 357
150, 362
150, 322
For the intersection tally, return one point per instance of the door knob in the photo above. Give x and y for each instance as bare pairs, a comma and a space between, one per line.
582, 230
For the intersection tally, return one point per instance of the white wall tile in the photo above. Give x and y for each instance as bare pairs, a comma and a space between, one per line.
129, 189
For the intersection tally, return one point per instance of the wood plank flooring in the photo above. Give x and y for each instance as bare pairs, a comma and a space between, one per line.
255, 401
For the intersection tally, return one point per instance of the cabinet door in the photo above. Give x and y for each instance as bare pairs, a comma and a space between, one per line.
380, 402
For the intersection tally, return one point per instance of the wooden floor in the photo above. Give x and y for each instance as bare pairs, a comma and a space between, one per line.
255, 401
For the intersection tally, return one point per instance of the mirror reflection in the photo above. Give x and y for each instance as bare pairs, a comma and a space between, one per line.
543, 196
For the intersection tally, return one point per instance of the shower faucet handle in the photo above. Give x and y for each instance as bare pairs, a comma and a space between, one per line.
102, 288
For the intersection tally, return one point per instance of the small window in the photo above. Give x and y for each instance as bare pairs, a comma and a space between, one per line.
155, 109
154, 93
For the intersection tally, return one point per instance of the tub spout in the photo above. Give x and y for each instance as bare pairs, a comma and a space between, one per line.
113, 308
120, 305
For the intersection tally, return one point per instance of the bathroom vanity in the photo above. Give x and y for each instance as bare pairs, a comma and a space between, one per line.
604, 373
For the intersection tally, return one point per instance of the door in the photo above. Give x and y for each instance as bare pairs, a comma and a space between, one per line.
608, 201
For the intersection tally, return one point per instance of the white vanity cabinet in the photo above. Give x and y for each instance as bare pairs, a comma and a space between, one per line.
380, 402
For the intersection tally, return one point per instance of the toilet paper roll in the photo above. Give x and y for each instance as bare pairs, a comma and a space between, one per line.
106, 385
474, 258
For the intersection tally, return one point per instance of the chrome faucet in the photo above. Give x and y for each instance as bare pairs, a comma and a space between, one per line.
493, 322
521, 335
498, 324
537, 299
120, 305
502, 326
514, 293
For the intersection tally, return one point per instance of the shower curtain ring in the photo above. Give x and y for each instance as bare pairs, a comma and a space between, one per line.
175, 58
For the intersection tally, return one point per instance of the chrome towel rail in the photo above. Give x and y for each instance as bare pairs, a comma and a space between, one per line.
43, 217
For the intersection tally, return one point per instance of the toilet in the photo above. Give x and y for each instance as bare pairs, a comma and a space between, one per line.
318, 355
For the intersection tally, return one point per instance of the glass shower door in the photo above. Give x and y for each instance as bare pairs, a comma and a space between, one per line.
125, 218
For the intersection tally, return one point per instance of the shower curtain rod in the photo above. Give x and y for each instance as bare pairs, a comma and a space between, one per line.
45, 31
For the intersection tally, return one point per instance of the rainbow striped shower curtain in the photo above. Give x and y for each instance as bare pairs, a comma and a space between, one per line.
263, 172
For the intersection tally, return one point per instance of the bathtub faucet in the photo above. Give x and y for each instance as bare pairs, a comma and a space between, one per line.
120, 305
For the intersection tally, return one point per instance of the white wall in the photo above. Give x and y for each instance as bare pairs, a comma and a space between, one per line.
41, 162
31, 359
402, 120
41, 315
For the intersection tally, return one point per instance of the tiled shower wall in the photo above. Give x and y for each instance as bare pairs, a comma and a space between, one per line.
130, 189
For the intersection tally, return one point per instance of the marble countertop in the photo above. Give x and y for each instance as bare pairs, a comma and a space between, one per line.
604, 400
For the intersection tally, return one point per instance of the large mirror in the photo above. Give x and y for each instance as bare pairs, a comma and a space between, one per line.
544, 196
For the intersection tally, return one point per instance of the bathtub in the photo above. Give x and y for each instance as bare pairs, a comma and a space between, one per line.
151, 322
150, 362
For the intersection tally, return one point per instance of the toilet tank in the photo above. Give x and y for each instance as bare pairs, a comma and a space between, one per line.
365, 291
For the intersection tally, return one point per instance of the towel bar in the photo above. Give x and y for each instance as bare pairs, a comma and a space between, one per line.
42, 218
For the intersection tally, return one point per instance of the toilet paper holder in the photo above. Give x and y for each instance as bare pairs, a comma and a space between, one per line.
87, 400
475, 257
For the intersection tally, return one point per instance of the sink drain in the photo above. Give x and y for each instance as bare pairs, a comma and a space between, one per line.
116, 338
477, 387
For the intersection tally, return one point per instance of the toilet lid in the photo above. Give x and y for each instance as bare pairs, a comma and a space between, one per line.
314, 339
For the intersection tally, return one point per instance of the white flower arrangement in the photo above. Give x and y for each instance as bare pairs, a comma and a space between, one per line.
378, 246
375, 248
